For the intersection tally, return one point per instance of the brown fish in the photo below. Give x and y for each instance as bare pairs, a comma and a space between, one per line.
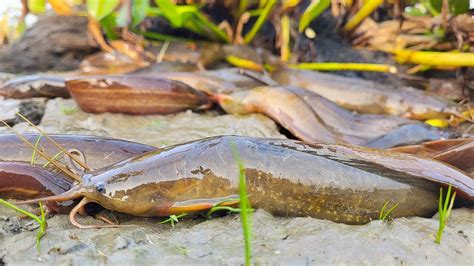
311, 117
285, 177
99, 152
456, 152
135, 95
287, 109
35, 86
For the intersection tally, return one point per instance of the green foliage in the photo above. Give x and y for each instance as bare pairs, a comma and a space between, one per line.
312, 12
139, 9
189, 17
444, 211
455, 6
37, 6
109, 23
41, 221
99, 9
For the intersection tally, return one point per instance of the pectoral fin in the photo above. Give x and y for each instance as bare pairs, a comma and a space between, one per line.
202, 204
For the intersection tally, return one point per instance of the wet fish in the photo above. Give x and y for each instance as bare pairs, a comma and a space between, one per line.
19, 179
287, 109
369, 97
409, 135
311, 117
456, 152
99, 152
285, 177
135, 95
34, 86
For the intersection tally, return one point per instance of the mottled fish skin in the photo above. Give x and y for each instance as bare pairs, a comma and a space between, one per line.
135, 95
285, 177
366, 96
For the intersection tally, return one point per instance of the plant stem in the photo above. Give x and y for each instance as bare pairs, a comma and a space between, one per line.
260, 20
243, 63
368, 7
285, 39
445, 59
333, 66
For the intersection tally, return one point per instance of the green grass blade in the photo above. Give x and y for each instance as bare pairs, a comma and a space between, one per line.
367, 9
53, 158
260, 20
33, 156
381, 214
445, 206
312, 12
245, 216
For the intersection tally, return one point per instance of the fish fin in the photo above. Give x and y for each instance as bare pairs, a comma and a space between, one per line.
202, 204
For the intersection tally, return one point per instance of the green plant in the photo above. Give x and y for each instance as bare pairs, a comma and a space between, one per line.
173, 219
312, 12
444, 210
33, 156
245, 215
40, 220
260, 20
219, 207
385, 216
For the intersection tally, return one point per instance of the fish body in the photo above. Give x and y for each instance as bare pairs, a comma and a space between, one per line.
455, 152
135, 95
313, 118
410, 134
21, 180
288, 178
366, 96
99, 152
35, 86
287, 109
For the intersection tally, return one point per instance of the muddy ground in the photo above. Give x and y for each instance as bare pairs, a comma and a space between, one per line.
276, 240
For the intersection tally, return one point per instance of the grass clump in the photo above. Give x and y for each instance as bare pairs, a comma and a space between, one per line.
445, 205
385, 215
40, 220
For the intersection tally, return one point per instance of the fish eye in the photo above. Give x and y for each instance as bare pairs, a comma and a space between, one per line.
100, 188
